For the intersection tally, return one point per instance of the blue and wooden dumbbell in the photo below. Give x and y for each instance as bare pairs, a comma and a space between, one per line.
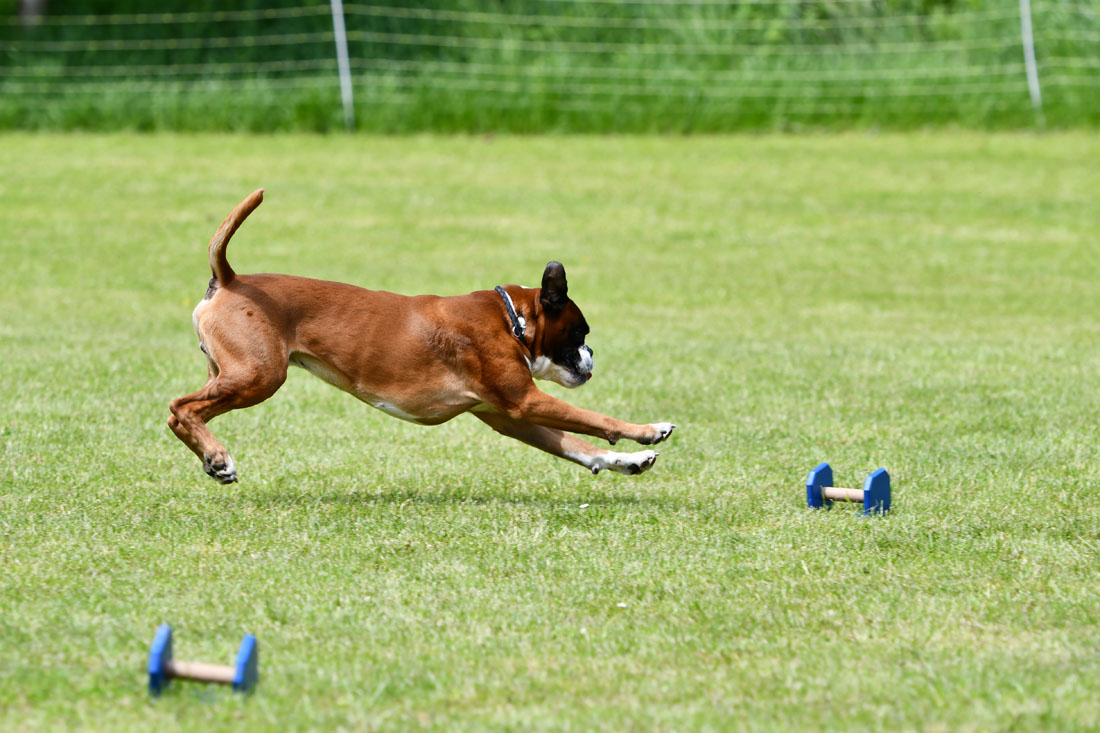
875, 494
163, 669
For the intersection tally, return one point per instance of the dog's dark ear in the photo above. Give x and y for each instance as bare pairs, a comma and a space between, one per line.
555, 291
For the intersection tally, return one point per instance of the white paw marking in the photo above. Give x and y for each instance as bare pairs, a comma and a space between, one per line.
223, 474
664, 430
628, 463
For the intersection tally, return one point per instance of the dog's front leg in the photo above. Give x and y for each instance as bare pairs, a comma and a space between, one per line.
569, 446
540, 408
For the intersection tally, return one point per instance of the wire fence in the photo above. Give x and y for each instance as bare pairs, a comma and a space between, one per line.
586, 65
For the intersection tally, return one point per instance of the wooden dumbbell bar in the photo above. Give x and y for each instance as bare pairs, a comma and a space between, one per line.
163, 669
875, 494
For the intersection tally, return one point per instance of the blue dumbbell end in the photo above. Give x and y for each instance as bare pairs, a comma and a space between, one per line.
248, 665
876, 492
159, 655
820, 476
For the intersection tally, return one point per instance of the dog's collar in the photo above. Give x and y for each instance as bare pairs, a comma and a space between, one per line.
519, 326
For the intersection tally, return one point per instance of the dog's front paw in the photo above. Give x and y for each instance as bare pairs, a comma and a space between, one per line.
221, 470
628, 463
659, 432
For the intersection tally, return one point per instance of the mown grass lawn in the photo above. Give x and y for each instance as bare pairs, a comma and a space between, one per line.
923, 302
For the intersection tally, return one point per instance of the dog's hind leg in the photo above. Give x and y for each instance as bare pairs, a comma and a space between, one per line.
232, 386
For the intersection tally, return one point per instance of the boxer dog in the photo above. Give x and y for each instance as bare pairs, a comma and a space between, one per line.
424, 358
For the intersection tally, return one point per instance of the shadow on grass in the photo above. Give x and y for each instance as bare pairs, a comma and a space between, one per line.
456, 497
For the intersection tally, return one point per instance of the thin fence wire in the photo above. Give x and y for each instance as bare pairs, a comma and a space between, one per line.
492, 18
568, 64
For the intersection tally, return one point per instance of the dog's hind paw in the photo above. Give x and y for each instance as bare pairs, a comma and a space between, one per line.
222, 471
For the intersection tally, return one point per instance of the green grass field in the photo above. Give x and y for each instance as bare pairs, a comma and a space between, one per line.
922, 302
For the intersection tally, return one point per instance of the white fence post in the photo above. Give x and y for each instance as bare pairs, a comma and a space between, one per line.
1029, 57
342, 63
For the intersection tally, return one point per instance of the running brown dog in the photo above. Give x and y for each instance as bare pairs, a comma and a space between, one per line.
423, 358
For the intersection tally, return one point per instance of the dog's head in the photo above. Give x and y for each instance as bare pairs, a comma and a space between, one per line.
559, 350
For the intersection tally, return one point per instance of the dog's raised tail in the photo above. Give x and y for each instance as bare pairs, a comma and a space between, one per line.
219, 265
